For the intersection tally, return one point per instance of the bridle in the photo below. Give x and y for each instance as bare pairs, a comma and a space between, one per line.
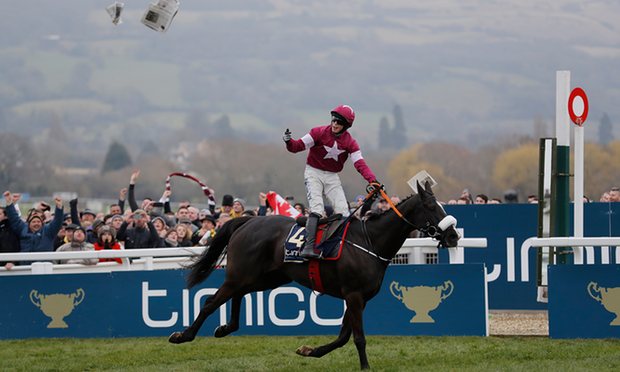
433, 231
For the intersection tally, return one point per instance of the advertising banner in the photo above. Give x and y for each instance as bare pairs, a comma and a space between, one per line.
414, 300
584, 301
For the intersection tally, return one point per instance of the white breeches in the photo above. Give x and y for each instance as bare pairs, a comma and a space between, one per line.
319, 183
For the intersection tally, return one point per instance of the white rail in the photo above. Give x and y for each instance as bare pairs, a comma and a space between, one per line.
579, 245
174, 258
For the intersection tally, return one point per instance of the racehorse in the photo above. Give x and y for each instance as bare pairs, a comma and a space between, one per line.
255, 248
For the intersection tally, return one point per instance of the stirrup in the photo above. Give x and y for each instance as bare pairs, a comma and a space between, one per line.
311, 253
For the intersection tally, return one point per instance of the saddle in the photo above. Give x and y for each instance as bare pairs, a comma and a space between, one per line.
327, 226
330, 233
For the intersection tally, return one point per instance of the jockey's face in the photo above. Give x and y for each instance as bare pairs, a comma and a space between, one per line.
337, 126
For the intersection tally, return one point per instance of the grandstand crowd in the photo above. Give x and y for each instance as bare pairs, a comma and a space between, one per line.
153, 223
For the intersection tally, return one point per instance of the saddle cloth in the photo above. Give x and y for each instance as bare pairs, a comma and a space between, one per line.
329, 238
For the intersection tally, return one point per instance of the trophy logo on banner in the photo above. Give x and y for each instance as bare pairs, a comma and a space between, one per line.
422, 299
609, 297
57, 306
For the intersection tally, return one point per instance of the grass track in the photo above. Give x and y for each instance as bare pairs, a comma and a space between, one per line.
253, 353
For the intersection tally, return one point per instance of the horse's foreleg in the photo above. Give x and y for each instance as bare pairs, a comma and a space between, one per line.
233, 324
356, 303
211, 304
343, 338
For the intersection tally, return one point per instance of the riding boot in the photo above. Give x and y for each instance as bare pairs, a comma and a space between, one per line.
311, 226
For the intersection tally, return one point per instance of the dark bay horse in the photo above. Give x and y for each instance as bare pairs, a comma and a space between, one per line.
255, 248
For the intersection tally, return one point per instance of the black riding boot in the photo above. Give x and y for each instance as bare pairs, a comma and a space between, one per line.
311, 226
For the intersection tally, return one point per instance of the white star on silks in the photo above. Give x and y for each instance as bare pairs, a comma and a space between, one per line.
332, 152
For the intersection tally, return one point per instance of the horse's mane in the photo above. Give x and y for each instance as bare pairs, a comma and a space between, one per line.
373, 216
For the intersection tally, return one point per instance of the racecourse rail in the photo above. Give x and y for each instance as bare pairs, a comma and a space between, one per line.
413, 251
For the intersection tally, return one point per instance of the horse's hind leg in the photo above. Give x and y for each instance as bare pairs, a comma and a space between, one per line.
268, 281
352, 323
233, 324
343, 338
211, 304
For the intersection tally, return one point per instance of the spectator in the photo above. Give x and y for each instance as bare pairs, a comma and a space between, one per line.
161, 226
116, 222
67, 236
262, 204
481, 199
9, 242
329, 147
142, 234
206, 232
33, 235
532, 199
182, 214
115, 209
463, 200
184, 233
87, 217
237, 208
495, 201
382, 205
466, 194
78, 244
106, 239
605, 197
301, 208
227, 203
222, 219
171, 238
614, 194
511, 196
194, 215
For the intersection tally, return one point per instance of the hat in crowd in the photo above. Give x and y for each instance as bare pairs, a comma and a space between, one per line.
66, 216
227, 200
33, 216
88, 211
208, 217
96, 225
161, 219
185, 220
240, 201
106, 229
71, 227
78, 227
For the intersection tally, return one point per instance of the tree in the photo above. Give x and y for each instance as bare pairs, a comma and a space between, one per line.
384, 134
605, 130
116, 158
517, 168
399, 133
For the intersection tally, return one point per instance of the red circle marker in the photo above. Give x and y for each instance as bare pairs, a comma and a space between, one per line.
578, 106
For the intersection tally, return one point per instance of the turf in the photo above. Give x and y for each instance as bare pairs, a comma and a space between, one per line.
278, 354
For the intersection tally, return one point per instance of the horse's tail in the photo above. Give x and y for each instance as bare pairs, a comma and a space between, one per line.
202, 267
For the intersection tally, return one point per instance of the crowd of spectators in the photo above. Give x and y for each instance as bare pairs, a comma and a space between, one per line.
153, 224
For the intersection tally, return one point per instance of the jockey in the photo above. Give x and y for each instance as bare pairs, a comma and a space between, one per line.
329, 147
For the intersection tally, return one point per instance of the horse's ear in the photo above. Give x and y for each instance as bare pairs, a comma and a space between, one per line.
419, 187
428, 188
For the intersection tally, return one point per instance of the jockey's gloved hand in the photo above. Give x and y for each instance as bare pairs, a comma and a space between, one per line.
374, 186
287, 135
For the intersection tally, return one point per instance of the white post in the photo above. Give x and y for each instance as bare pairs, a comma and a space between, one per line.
562, 119
578, 192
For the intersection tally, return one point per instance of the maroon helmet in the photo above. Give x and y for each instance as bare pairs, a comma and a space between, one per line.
344, 112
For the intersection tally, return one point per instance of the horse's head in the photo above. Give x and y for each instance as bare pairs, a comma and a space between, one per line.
434, 220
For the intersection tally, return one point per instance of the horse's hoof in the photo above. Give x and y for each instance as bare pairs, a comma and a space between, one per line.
220, 332
178, 338
304, 350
